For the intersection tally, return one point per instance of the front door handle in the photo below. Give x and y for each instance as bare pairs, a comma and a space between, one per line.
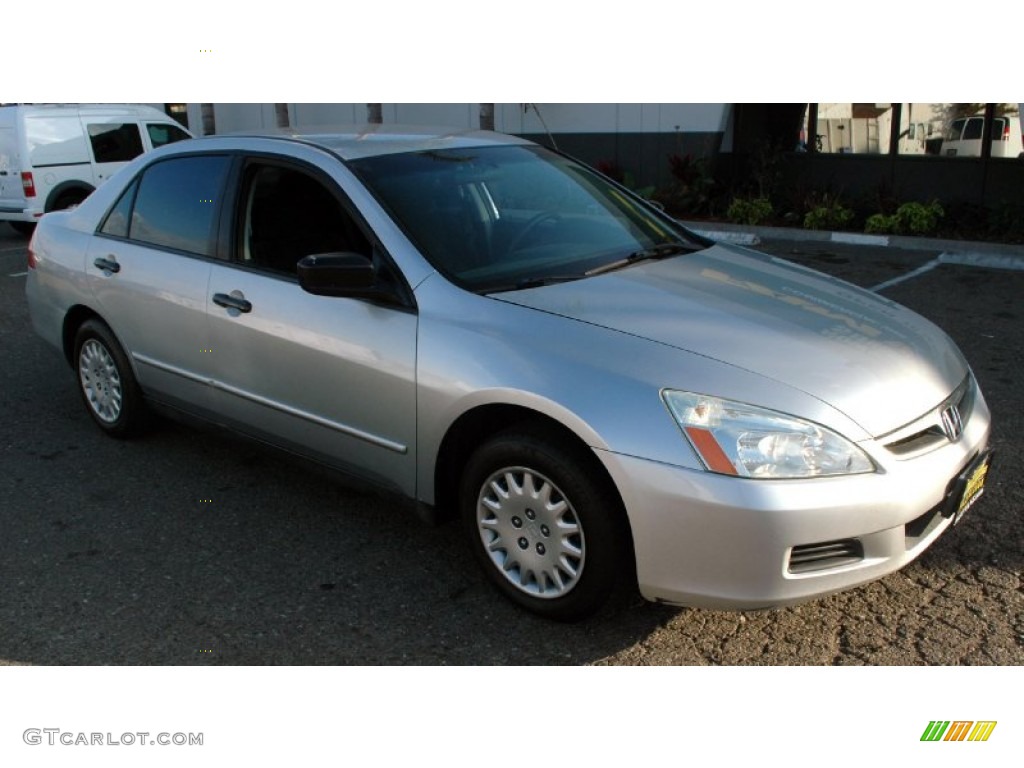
107, 265
231, 301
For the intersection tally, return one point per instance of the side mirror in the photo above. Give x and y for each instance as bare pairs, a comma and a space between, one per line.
339, 274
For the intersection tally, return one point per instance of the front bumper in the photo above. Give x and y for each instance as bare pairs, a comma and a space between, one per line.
712, 541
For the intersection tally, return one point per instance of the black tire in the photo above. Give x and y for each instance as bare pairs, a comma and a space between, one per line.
518, 490
106, 382
69, 199
25, 228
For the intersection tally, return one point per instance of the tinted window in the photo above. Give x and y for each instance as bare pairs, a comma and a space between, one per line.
177, 203
164, 133
119, 216
289, 214
998, 128
955, 129
492, 217
115, 142
973, 129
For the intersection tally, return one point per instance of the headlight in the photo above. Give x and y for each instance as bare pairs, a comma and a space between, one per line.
740, 439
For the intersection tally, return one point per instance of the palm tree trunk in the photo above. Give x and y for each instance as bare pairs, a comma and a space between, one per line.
209, 119
281, 112
486, 117
374, 113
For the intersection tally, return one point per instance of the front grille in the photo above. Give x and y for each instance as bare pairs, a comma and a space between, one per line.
828, 554
919, 441
926, 433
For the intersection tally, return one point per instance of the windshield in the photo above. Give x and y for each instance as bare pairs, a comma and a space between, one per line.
500, 218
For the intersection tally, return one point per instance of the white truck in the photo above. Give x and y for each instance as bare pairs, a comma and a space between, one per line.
963, 137
53, 155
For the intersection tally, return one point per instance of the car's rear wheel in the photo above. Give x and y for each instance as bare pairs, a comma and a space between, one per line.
106, 382
69, 199
548, 530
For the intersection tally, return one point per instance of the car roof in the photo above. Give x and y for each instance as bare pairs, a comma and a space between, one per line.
352, 142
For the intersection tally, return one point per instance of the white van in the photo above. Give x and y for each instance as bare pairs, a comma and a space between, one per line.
963, 138
52, 156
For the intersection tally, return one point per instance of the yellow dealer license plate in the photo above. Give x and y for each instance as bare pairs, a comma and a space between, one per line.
973, 485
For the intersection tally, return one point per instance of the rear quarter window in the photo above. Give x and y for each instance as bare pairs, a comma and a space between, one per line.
55, 140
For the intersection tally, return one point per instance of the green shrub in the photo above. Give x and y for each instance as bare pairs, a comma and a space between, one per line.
919, 219
880, 224
827, 213
750, 212
909, 219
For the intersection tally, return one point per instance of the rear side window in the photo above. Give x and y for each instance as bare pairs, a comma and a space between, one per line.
115, 142
164, 133
177, 203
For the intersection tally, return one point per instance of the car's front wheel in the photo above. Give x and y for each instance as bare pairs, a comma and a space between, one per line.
548, 530
106, 382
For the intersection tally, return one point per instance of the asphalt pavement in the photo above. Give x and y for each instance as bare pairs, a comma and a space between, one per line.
189, 547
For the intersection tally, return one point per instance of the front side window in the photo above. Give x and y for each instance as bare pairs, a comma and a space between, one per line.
492, 218
955, 129
164, 133
115, 142
287, 214
177, 203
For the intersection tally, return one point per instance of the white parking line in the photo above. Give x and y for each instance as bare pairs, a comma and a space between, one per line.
17, 274
13, 250
988, 260
909, 276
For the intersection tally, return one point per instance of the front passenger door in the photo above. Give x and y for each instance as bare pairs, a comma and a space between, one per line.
329, 377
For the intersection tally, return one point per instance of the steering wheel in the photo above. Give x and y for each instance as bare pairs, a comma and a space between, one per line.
528, 228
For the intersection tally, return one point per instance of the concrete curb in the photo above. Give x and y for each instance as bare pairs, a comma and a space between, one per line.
742, 235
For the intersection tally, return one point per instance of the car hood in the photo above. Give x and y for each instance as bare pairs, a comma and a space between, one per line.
877, 362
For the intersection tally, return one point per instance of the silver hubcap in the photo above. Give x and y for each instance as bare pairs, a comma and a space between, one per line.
531, 532
100, 381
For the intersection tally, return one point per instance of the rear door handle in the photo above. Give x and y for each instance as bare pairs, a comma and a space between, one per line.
229, 301
107, 265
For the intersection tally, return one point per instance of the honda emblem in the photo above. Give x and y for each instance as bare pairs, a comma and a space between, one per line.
952, 424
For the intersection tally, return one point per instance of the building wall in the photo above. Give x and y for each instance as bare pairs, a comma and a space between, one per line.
637, 138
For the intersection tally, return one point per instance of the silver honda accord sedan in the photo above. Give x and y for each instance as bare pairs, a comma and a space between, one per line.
491, 329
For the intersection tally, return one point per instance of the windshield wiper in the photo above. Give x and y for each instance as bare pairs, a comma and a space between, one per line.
531, 282
662, 251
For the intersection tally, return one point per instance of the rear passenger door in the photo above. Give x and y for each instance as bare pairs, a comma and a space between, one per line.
149, 270
328, 377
